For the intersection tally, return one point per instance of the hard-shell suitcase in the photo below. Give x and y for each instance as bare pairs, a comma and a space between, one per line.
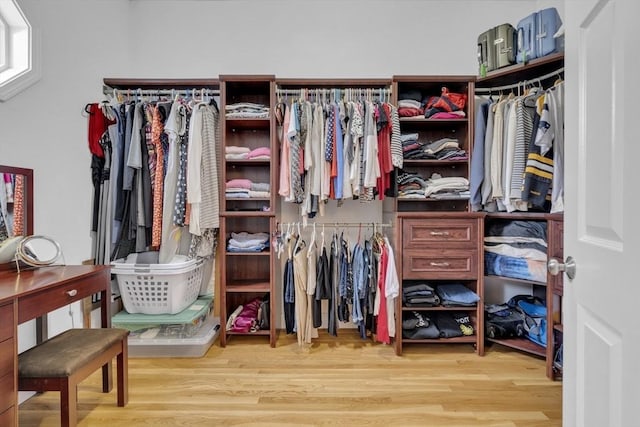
505, 49
547, 24
486, 51
526, 39
535, 35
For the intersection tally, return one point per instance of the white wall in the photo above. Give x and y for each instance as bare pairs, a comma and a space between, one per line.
86, 40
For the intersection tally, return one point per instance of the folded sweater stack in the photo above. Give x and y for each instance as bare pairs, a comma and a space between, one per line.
248, 242
234, 152
246, 189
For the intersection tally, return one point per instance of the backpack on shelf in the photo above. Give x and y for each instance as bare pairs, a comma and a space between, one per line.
534, 311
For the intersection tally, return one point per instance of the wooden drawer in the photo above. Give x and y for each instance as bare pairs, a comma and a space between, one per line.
439, 232
7, 393
7, 354
6, 321
8, 417
439, 264
52, 298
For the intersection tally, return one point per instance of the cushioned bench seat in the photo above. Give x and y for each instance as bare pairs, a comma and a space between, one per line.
63, 361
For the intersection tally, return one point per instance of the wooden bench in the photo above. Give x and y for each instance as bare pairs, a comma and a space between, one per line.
65, 360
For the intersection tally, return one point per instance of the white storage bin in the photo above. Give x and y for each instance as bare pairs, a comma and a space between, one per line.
148, 345
158, 288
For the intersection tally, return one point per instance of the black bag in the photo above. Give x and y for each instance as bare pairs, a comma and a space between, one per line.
263, 313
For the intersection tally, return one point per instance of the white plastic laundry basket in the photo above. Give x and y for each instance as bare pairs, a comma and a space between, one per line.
158, 288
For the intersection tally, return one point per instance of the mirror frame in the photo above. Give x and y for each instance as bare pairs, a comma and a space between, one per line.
27, 255
28, 198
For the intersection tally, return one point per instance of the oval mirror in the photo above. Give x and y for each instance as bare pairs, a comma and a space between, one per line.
37, 251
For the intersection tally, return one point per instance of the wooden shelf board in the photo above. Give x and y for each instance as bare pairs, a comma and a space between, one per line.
239, 286
519, 72
260, 332
440, 308
119, 83
244, 162
430, 200
521, 344
420, 119
559, 327
430, 162
247, 199
512, 279
261, 253
247, 213
465, 340
524, 215
247, 123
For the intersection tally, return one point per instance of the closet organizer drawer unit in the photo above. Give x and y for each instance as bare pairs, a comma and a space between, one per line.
8, 417
7, 375
439, 264
6, 321
437, 233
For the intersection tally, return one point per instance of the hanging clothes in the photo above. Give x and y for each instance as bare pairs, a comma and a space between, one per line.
142, 197
326, 154
515, 166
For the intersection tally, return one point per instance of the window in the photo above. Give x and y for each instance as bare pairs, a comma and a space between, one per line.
19, 51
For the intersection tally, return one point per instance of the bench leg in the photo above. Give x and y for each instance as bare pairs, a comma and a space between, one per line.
107, 378
68, 404
123, 375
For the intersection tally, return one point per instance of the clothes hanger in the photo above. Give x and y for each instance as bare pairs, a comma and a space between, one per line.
313, 235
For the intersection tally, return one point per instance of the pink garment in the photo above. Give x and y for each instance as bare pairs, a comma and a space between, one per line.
261, 151
445, 115
410, 112
285, 170
238, 183
248, 317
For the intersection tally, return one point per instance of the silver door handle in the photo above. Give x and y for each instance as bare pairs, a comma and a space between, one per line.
569, 267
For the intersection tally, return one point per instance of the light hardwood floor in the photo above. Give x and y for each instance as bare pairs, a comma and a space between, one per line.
344, 381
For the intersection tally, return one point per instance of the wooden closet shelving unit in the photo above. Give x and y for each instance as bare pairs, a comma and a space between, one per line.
440, 241
247, 275
535, 72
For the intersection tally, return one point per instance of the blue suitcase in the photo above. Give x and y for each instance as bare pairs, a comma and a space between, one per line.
526, 39
535, 34
547, 24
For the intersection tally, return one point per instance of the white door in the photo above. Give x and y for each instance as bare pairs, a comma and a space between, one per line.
602, 206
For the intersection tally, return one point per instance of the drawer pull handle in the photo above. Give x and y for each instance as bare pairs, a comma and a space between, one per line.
440, 233
72, 292
440, 264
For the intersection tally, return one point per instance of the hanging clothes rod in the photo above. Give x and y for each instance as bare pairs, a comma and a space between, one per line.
108, 90
339, 224
340, 92
539, 79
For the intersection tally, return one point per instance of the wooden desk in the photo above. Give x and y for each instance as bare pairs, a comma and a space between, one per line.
34, 293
